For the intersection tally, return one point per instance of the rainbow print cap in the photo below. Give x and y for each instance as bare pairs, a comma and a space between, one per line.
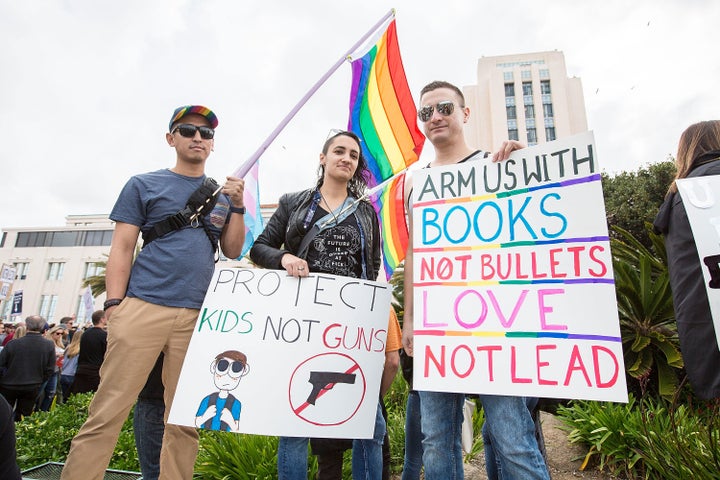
198, 109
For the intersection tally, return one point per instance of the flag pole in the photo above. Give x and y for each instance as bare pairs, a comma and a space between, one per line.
245, 167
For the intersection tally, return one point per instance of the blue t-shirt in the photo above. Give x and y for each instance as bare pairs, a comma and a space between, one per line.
231, 404
175, 269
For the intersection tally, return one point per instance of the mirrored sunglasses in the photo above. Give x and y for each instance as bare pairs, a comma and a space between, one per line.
444, 108
188, 131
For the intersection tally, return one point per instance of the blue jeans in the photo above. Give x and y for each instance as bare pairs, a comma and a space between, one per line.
412, 463
366, 455
511, 448
441, 416
149, 426
66, 382
47, 393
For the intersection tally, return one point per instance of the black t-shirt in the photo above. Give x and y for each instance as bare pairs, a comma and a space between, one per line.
92, 347
337, 250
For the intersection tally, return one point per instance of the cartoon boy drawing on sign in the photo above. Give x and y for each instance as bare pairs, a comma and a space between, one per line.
220, 410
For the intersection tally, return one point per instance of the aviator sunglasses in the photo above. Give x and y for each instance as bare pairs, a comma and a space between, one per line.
188, 131
444, 108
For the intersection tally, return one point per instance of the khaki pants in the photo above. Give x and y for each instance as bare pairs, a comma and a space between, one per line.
137, 332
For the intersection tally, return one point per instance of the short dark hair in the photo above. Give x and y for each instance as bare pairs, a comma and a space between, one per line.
443, 84
65, 320
97, 316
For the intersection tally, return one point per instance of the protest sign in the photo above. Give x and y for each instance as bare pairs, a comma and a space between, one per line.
7, 278
89, 303
513, 282
17, 303
277, 355
703, 211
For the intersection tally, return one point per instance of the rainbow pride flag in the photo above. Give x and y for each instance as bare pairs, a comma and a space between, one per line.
383, 115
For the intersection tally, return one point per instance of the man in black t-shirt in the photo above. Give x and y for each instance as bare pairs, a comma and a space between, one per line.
92, 352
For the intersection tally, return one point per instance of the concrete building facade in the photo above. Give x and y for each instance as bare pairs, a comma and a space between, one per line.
52, 262
527, 97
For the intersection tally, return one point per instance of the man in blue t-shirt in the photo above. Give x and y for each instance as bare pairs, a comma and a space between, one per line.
153, 302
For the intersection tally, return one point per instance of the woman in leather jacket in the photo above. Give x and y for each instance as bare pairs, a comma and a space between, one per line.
342, 179
327, 229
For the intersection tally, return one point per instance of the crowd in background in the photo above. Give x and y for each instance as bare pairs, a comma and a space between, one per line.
25, 373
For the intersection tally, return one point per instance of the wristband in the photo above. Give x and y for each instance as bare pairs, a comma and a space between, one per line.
112, 302
240, 210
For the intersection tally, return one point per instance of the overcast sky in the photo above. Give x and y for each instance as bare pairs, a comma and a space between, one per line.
87, 87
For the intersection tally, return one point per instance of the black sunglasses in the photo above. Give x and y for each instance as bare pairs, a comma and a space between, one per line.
236, 366
188, 131
444, 108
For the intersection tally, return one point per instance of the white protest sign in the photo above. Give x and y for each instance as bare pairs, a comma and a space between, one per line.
700, 198
513, 282
277, 355
88, 303
7, 278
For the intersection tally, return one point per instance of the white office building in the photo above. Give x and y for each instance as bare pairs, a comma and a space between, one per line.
527, 97
52, 262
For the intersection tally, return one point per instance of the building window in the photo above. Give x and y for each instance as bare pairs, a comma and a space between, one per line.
544, 73
92, 269
531, 136
29, 239
47, 307
550, 133
529, 111
513, 134
509, 101
96, 238
55, 270
512, 124
509, 89
508, 76
7, 308
511, 112
545, 87
527, 88
526, 74
63, 239
90, 238
21, 270
549, 122
529, 123
548, 110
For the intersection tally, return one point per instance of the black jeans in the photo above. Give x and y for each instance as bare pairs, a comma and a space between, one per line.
22, 398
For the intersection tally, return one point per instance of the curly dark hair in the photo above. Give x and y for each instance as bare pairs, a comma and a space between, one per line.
358, 183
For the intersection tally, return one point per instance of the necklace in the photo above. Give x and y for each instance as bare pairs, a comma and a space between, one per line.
329, 208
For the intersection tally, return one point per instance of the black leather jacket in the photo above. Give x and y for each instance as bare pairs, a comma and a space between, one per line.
284, 232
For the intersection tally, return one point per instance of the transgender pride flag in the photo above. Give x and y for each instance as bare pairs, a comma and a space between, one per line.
253, 219
383, 115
